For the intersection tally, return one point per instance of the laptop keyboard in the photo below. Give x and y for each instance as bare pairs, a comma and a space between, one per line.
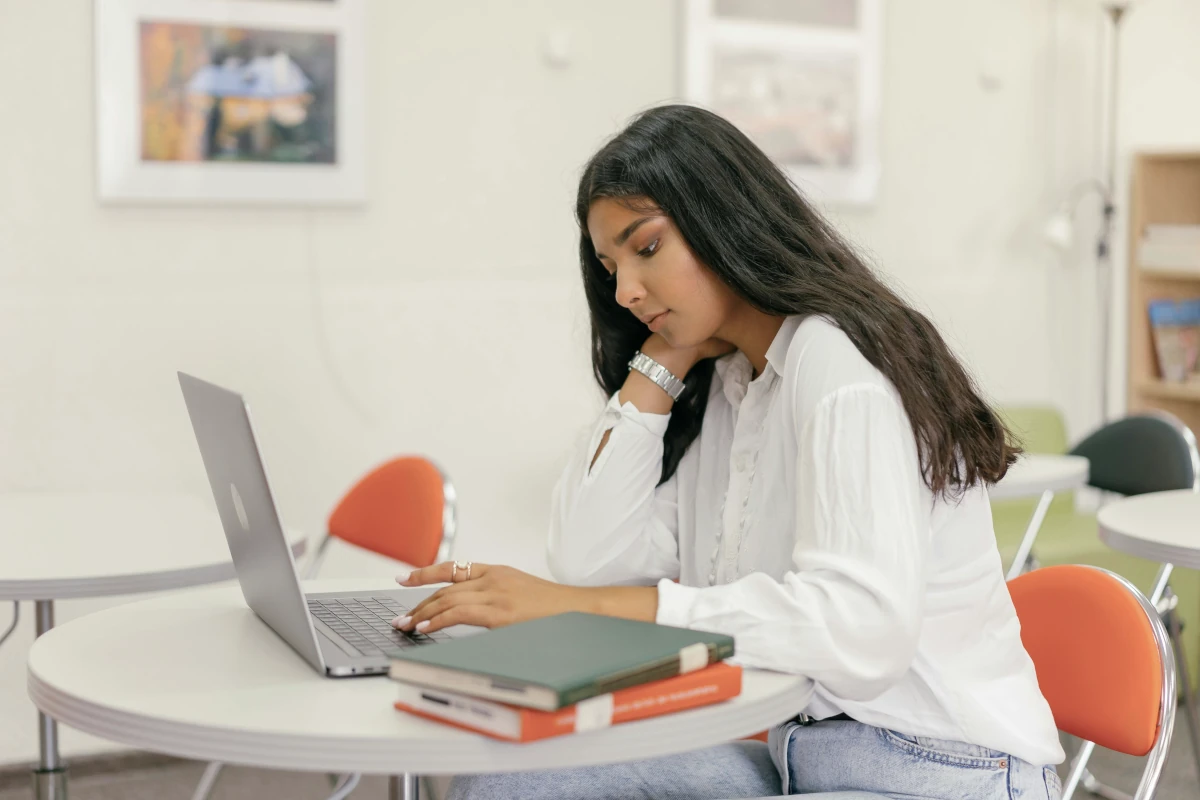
366, 623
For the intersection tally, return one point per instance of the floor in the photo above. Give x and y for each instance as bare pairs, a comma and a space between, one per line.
150, 777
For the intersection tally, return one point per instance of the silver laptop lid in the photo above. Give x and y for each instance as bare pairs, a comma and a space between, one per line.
238, 477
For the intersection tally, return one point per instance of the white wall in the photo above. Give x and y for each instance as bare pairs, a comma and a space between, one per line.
444, 317
985, 102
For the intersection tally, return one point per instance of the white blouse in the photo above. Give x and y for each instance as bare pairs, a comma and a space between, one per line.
798, 522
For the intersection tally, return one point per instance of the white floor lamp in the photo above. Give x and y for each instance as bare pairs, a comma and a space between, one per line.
1060, 229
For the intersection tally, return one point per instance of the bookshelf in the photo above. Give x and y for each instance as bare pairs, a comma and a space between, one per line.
1165, 189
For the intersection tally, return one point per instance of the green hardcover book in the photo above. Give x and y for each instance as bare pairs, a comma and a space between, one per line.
553, 662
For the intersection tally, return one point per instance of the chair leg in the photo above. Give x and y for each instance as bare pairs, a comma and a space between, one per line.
1081, 777
318, 557
207, 781
1102, 790
1078, 769
1174, 629
1021, 561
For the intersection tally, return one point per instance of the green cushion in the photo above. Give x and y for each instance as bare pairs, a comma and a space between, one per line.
1039, 429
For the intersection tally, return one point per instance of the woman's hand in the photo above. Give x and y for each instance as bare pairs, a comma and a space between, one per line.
494, 596
680, 360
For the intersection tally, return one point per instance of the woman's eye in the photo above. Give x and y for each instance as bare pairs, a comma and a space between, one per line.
649, 249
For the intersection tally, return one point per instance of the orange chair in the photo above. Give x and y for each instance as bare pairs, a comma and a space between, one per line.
1103, 661
405, 509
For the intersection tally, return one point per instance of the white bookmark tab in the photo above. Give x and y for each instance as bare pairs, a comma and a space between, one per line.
595, 712
693, 657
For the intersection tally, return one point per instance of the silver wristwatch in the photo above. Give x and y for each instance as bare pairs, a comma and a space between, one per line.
657, 373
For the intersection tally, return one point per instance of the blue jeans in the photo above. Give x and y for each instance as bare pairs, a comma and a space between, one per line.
736, 769
826, 757
847, 756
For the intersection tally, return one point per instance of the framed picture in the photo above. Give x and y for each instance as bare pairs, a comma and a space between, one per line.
230, 101
801, 78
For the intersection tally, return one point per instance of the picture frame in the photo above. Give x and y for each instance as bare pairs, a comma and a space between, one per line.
801, 78
230, 101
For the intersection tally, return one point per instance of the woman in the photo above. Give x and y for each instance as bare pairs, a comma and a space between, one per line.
818, 488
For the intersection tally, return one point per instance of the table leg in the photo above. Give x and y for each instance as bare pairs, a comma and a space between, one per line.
404, 787
1031, 532
50, 774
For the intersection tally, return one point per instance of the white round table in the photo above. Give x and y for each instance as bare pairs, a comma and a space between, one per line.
1038, 475
62, 545
196, 674
1161, 526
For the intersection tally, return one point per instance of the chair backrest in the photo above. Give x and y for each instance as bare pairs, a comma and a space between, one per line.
1152, 452
1039, 429
403, 509
1103, 660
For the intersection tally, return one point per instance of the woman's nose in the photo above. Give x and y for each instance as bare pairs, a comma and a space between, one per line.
629, 289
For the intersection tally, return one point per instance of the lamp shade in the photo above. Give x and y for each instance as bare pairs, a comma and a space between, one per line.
1060, 231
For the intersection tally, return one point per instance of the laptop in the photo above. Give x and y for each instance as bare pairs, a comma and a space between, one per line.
341, 634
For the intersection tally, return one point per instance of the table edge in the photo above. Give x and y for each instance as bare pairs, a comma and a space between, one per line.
658, 736
1187, 557
135, 583
1076, 481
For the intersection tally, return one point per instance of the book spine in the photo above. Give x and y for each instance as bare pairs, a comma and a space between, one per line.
693, 690
668, 696
667, 668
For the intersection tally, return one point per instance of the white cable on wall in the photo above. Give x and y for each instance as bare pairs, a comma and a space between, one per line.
13, 626
317, 310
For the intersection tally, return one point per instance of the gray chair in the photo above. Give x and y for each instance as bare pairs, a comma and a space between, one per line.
1152, 452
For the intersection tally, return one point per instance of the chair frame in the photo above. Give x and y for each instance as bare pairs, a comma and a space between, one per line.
1156, 759
1163, 601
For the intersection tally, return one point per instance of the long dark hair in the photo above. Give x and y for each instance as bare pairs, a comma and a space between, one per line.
751, 227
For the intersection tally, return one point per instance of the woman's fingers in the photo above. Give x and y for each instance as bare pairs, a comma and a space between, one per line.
454, 588
435, 605
444, 572
482, 615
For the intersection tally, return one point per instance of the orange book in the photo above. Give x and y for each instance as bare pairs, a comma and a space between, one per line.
516, 724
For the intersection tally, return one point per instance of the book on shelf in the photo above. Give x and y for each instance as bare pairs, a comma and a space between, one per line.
557, 661
713, 684
1170, 247
1175, 329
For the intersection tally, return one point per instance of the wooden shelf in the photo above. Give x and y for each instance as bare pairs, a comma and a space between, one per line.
1187, 275
1168, 390
1164, 190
